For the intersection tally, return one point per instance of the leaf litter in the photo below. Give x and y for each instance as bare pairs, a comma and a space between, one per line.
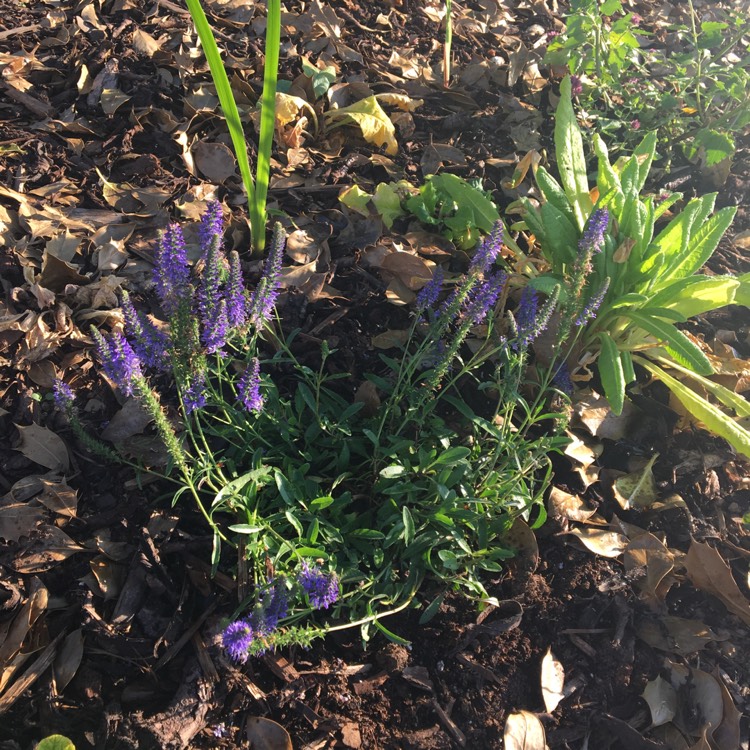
96, 163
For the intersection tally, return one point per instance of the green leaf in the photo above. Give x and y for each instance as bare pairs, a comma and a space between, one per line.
408, 525
711, 416
432, 609
571, 160
696, 294
452, 456
390, 635
483, 211
742, 295
391, 472
702, 243
562, 238
322, 502
607, 179
56, 742
244, 528
674, 341
611, 373
553, 193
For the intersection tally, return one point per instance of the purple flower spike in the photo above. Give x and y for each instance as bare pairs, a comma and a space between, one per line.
195, 395
248, 388
322, 589
593, 236
149, 343
562, 380
172, 274
263, 299
119, 361
488, 251
428, 294
590, 309
236, 312
212, 309
485, 296
211, 226
63, 395
236, 639
275, 603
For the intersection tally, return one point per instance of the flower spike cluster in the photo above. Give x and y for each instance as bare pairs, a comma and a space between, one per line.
120, 362
263, 299
172, 273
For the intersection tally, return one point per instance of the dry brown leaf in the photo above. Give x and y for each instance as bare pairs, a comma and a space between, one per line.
410, 270
48, 547
662, 701
601, 542
524, 731
675, 634
390, 339
553, 681
727, 734
699, 698
19, 520
144, 43
648, 556
214, 160
44, 447
522, 540
571, 507
264, 734
67, 661
594, 413
131, 419
58, 497
708, 572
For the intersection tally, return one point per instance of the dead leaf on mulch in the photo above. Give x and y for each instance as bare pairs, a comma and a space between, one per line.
264, 734
44, 447
677, 635
600, 541
651, 564
46, 548
553, 681
67, 661
708, 572
524, 731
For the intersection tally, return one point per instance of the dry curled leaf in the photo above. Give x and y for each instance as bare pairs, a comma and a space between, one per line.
264, 734
600, 541
708, 572
553, 680
523, 731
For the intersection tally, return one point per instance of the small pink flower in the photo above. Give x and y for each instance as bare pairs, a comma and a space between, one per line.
635, 19
635, 124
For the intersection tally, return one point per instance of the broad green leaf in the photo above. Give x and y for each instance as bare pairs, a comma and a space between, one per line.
387, 200
713, 145
562, 237
357, 199
607, 178
644, 153
244, 528
742, 295
611, 373
56, 742
483, 211
703, 242
372, 120
408, 525
711, 416
553, 192
696, 294
571, 160
676, 343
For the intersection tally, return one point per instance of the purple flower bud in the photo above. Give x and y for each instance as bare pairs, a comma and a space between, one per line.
593, 236
274, 602
119, 361
194, 396
172, 274
488, 251
236, 639
531, 320
63, 395
322, 589
484, 296
576, 87
211, 226
592, 306
562, 380
428, 294
149, 343
263, 299
236, 312
248, 388
635, 124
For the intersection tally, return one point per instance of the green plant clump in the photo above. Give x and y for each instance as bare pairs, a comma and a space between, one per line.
332, 501
644, 278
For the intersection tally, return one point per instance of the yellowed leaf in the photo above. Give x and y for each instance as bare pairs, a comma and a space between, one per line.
374, 123
601, 542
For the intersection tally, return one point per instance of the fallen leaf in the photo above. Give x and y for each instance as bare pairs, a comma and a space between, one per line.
594, 413
708, 572
553, 680
699, 698
19, 520
264, 734
675, 634
601, 542
637, 490
144, 43
374, 123
214, 160
662, 701
44, 447
48, 547
572, 507
524, 731
650, 563
131, 419
410, 270
67, 661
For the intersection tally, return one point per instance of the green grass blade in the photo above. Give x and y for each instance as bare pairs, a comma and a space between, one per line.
228, 104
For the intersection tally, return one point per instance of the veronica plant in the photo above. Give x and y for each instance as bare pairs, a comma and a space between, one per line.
330, 505
257, 189
611, 250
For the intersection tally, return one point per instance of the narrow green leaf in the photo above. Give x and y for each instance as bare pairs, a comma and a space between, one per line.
408, 525
711, 416
611, 373
432, 609
675, 342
